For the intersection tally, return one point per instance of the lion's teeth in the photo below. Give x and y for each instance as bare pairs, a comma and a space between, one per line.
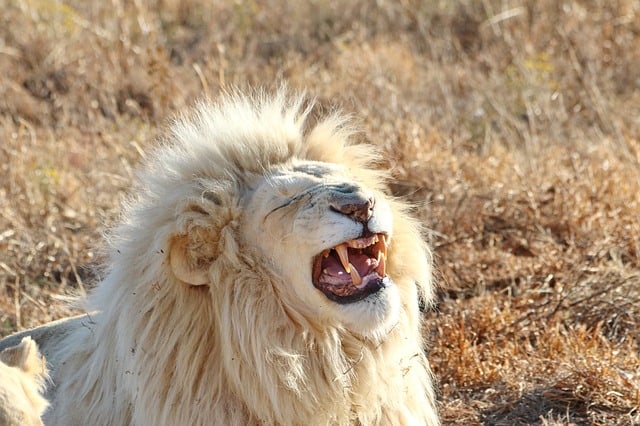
344, 257
325, 253
355, 276
361, 243
356, 244
382, 264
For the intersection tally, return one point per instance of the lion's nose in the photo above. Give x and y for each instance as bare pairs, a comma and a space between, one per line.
357, 206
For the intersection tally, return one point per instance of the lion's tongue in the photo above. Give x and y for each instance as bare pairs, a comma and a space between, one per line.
332, 267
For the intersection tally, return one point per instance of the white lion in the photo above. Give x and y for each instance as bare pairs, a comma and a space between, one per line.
260, 275
22, 378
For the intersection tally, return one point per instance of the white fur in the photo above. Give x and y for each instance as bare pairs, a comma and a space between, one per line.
207, 313
22, 380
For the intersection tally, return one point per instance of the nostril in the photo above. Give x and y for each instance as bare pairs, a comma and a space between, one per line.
358, 208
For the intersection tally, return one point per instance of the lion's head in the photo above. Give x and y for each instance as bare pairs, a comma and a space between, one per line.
305, 205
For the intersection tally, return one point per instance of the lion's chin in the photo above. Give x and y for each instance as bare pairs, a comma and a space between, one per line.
373, 316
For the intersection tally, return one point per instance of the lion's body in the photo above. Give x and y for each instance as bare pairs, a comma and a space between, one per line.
207, 314
22, 377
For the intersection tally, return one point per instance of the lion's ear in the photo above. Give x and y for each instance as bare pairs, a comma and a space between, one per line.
187, 264
199, 233
24, 356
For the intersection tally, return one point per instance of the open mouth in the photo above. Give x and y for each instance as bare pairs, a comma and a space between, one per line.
352, 270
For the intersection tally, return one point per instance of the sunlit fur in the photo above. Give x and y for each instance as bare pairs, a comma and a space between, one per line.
22, 380
243, 348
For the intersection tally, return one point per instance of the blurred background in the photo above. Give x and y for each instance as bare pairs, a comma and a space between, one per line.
512, 126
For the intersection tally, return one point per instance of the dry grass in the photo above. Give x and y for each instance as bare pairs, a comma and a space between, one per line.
512, 125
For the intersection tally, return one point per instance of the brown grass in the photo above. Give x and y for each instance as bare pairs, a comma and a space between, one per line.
512, 125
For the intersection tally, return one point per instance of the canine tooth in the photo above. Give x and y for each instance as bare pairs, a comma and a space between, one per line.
383, 247
325, 253
344, 257
382, 264
355, 276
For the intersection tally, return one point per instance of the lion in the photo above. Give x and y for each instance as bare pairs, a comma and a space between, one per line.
260, 275
22, 379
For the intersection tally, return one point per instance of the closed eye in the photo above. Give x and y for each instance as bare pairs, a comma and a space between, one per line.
289, 202
301, 196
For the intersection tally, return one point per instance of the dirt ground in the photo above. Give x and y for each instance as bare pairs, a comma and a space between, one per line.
513, 126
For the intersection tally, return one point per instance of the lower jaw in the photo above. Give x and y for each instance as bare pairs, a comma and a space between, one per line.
372, 288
